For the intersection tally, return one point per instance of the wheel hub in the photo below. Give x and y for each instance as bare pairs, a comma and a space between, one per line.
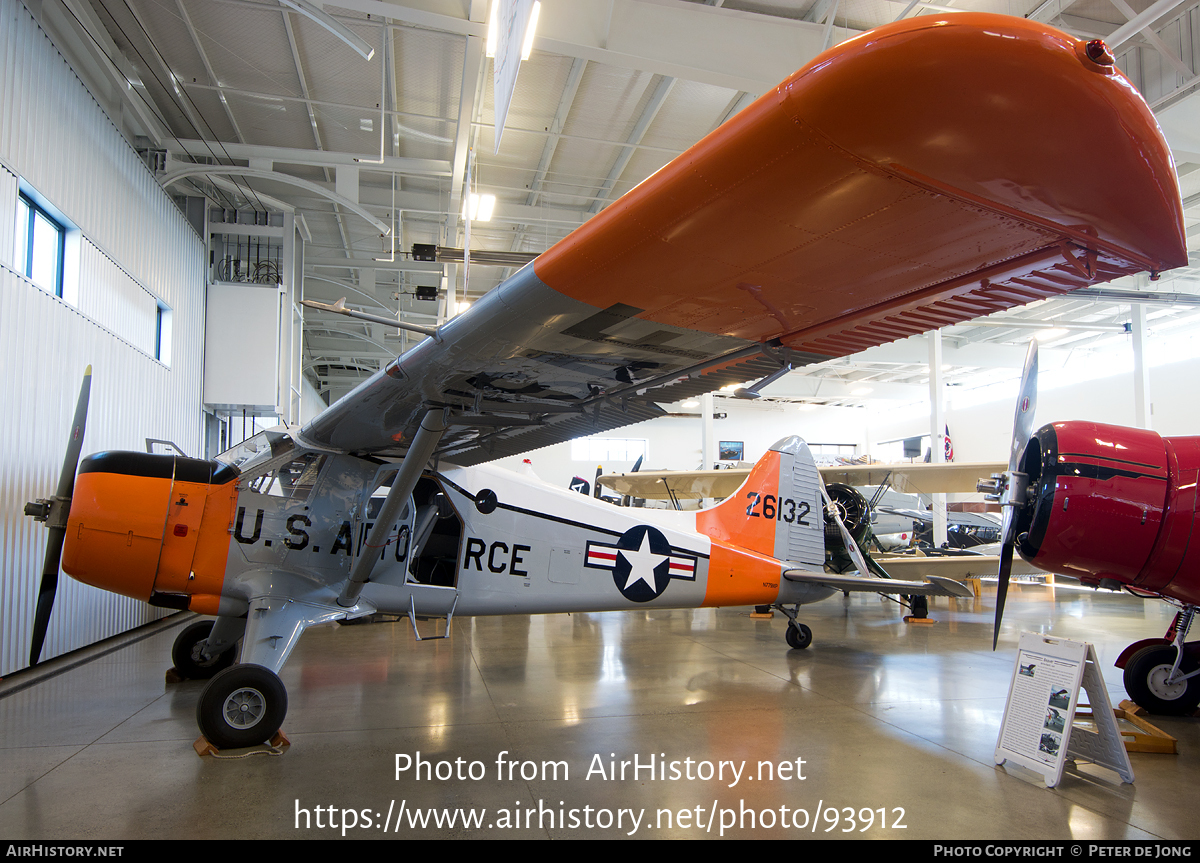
244, 708
1158, 682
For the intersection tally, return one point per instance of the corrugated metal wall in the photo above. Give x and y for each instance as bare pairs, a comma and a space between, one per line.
136, 250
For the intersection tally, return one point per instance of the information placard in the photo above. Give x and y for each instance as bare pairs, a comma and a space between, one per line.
1038, 728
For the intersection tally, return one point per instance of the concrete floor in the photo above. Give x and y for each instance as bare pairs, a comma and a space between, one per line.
885, 716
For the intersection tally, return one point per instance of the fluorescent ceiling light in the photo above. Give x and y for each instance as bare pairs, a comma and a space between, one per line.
527, 48
493, 29
479, 208
493, 34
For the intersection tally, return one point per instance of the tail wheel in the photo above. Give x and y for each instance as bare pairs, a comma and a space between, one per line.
242, 706
798, 636
1146, 675
187, 656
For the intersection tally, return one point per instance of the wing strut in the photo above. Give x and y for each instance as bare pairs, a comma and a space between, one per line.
433, 425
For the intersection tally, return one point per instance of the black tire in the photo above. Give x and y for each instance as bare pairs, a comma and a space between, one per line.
1145, 681
919, 606
186, 653
241, 706
798, 636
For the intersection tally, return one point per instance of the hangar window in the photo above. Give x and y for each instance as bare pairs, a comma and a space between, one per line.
162, 335
608, 449
40, 246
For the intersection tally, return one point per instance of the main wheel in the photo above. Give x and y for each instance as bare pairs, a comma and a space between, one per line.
242, 706
189, 662
798, 636
1146, 675
919, 606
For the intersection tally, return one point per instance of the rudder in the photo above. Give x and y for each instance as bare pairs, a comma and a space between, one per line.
777, 510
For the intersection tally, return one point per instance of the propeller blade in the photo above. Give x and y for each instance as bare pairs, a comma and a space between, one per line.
56, 522
1026, 405
1022, 431
46, 592
1006, 559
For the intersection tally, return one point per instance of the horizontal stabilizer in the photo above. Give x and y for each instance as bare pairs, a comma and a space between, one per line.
934, 587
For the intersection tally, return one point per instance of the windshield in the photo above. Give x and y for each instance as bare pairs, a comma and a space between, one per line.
258, 449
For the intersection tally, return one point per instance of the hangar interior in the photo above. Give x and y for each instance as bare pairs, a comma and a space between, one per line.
197, 167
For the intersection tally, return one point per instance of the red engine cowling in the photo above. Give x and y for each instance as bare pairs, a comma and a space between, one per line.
1112, 505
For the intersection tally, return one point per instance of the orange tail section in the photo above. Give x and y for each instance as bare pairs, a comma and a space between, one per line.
777, 511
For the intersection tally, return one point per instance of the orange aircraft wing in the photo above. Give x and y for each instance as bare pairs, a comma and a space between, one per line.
919, 175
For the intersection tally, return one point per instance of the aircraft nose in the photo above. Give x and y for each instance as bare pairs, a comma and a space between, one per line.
115, 529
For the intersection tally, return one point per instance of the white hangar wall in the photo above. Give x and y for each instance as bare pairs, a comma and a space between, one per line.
982, 432
130, 253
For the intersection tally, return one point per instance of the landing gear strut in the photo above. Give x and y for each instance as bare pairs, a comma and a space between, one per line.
1161, 677
188, 657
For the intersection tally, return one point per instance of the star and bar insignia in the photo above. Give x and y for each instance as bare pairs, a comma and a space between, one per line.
642, 563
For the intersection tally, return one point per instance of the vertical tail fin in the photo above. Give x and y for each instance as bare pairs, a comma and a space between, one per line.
777, 510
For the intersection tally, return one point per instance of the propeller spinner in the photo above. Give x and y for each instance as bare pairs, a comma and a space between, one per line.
54, 512
1009, 488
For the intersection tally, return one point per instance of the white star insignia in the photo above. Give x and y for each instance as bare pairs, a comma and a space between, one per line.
642, 563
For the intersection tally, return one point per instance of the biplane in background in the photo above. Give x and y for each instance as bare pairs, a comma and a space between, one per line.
916, 176
870, 522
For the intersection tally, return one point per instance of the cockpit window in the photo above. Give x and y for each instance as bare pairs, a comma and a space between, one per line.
256, 450
293, 480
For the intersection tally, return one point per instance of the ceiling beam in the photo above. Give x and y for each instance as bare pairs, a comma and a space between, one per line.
1134, 25
187, 23
314, 158
237, 171
709, 44
1159, 45
661, 91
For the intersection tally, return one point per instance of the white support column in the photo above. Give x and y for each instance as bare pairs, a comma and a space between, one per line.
937, 430
708, 446
1141, 371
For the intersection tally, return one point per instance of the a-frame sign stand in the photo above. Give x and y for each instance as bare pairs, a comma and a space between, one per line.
1038, 731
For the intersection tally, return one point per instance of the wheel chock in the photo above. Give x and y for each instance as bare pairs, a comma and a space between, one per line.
174, 676
919, 621
1148, 738
274, 746
203, 747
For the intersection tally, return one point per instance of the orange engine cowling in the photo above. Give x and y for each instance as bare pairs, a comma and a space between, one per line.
1112, 506
154, 527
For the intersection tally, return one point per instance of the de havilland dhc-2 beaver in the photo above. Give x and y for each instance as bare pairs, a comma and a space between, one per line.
919, 175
